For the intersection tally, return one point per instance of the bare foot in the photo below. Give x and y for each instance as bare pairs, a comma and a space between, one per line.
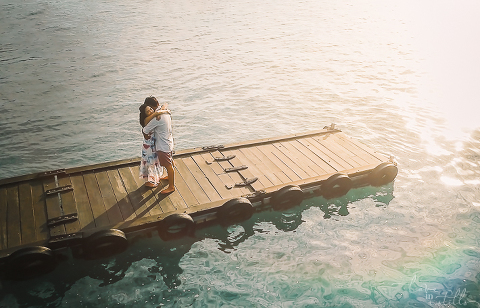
164, 178
150, 185
167, 190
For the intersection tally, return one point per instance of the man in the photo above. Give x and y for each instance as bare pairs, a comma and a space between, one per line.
162, 129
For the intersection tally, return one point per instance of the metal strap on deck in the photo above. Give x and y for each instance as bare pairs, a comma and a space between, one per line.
241, 184
59, 189
238, 168
65, 240
52, 172
52, 222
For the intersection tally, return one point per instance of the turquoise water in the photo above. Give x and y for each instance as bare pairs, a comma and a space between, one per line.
401, 77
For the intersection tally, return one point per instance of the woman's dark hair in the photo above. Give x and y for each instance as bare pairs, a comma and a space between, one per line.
142, 114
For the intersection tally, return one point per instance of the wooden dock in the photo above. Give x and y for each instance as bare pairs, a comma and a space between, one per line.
93, 209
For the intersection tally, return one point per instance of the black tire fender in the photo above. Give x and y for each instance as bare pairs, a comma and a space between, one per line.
382, 174
287, 197
30, 262
336, 186
176, 226
105, 243
235, 210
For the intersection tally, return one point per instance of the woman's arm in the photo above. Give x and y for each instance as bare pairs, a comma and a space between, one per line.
157, 114
163, 107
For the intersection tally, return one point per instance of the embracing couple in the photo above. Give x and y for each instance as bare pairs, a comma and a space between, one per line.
157, 149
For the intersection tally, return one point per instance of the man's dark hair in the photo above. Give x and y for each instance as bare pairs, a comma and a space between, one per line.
152, 102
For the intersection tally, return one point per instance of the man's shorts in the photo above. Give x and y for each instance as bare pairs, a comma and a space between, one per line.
165, 158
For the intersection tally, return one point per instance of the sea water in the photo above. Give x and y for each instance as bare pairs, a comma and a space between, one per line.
400, 76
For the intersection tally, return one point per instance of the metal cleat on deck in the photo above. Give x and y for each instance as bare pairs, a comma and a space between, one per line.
213, 147
331, 127
223, 158
246, 182
238, 168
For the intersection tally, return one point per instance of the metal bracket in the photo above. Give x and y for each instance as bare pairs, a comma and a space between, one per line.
213, 147
255, 194
242, 167
59, 189
392, 160
52, 222
241, 184
331, 127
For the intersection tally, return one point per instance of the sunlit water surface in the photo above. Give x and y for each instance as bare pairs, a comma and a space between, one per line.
400, 76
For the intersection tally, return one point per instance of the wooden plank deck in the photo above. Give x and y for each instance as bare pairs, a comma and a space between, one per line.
111, 195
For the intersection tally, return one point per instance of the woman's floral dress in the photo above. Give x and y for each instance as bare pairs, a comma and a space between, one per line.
150, 169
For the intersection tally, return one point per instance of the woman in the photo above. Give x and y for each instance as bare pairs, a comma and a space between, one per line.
150, 169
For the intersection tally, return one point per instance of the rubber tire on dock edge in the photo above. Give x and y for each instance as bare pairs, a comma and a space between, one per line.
382, 174
235, 211
182, 220
336, 186
30, 262
287, 197
105, 243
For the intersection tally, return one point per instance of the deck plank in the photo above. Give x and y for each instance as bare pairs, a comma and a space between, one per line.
325, 148
255, 157
27, 218
274, 163
297, 165
3, 218
111, 204
341, 152
148, 197
254, 172
183, 189
54, 210
68, 205
13, 217
246, 173
301, 147
365, 148
212, 177
317, 149
40, 211
235, 178
176, 198
207, 187
192, 183
135, 195
356, 151
159, 203
283, 162
84, 210
124, 203
300, 158
226, 179
96, 201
